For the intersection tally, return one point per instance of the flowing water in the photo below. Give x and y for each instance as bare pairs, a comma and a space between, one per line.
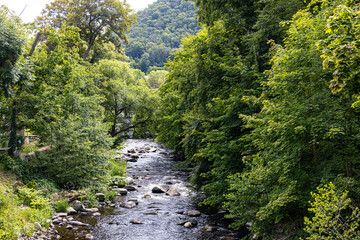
160, 214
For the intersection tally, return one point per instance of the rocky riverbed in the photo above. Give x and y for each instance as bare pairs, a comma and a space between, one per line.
157, 204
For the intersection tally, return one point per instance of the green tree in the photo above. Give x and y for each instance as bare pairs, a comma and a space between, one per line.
14, 70
101, 21
156, 78
128, 101
334, 217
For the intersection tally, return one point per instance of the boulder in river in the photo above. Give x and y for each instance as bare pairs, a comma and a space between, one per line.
158, 190
193, 213
136, 221
208, 228
129, 204
89, 237
71, 210
122, 191
77, 205
130, 188
77, 223
131, 151
100, 197
188, 225
172, 192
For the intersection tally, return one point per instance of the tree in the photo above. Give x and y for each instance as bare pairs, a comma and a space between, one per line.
63, 107
98, 20
156, 78
14, 70
128, 101
334, 217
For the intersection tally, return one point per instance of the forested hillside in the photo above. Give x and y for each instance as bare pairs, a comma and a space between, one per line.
158, 31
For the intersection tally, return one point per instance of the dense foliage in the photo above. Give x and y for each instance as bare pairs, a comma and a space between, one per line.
247, 103
158, 31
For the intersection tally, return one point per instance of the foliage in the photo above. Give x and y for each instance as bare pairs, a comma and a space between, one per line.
102, 21
128, 101
11, 46
158, 32
334, 216
61, 205
156, 78
16, 220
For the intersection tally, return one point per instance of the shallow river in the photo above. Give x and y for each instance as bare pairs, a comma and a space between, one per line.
159, 213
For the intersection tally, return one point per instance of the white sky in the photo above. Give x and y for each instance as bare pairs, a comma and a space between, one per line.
34, 7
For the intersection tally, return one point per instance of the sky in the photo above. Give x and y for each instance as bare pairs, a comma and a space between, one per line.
32, 8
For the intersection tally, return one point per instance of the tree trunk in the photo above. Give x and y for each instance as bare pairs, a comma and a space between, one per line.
35, 43
88, 49
12, 139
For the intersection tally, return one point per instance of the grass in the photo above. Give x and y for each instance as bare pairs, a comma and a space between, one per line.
15, 217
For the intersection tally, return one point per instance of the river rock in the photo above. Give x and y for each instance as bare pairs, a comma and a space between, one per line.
172, 192
152, 150
134, 156
131, 151
158, 190
89, 237
122, 191
77, 223
56, 221
188, 225
130, 188
136, 221
61, 214
129, 180
194, 222
71, 210
69, 227
37, 226
97, 214
132, 160
208, 228
100, 197
77, 205
193, 213
129, 204
133, 200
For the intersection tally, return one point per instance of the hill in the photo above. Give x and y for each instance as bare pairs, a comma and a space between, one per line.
158, 31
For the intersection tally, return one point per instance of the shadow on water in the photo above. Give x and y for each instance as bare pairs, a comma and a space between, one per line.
159, 213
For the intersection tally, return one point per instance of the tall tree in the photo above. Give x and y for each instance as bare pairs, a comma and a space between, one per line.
98, 20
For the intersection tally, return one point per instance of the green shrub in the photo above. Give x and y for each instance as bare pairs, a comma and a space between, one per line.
33, 198
16, 220
61, 205
111, 195
117, 168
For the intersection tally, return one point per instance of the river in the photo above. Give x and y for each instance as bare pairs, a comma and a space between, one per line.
159, 216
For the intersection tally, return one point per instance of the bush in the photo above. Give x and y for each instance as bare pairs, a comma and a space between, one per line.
111, 195
16, 220
61, 205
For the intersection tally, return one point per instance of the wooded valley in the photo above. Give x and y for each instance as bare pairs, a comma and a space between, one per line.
259, 101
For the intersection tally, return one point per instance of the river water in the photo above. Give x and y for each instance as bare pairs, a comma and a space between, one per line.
159, 213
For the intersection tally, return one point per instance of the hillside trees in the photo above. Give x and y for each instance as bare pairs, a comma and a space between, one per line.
158, 32
102, 21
